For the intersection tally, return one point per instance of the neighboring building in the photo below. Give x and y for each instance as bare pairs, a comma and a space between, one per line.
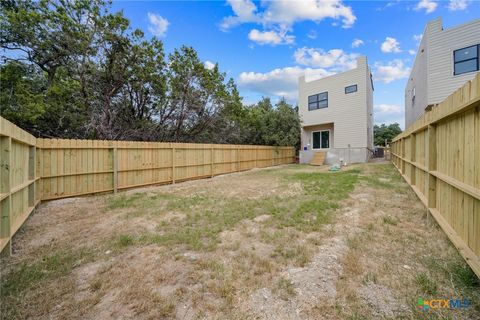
445, 60
337, 115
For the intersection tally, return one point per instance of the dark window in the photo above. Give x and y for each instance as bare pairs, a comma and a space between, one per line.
321, 139
316, 140
351, 89
466, 60
318, 101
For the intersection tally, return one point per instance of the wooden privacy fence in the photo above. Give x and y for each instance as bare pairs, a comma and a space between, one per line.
44, 169
439, 156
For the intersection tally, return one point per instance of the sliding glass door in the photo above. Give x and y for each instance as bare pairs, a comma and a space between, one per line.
321, 139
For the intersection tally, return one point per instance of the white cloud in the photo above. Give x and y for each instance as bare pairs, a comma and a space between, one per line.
417, 37
388, 5
457, 5
159, 25
387, 109
390, 45
209, 65
335, 59
428, 5
286, 13
271, 37
244, 10
393, 70
281, 82
412, 52
357, 43
388, 113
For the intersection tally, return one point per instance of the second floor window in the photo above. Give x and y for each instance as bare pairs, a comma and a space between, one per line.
318, 101
465, 60
351, 89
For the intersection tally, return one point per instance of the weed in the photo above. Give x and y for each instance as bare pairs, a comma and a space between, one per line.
124, 201
356, 316
426, 284
124, 240
51, 266
284, 288
463, 275
369, 277
352, 263
390, 220
299, 254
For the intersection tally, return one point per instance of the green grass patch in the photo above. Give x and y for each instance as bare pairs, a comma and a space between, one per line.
206, 216
124, 240
464, 276
426, 284
384, 176
51, 266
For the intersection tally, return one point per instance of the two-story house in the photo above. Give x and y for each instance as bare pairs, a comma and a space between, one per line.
445, 60
337, 115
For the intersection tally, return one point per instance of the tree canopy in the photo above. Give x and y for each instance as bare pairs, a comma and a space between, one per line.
386, 133
74, 69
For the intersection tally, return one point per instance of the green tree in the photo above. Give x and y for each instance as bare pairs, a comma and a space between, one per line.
75, 69
384, 133
277, 125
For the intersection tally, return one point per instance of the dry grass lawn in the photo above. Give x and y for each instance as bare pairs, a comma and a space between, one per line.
290, 242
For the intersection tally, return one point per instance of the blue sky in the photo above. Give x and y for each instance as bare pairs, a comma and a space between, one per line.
266, 45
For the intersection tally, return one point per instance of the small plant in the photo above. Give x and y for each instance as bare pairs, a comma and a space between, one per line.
463, 275
390, 220
123, 201
285, 288
426, 284
370, 277
48, 267
125, 240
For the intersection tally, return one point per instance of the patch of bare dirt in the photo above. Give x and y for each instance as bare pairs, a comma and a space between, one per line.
315, 283
247, 184
382, 300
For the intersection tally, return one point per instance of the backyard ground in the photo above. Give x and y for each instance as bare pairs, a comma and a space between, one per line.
289, 242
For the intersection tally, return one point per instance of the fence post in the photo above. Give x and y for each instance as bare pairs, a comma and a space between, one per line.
402, 153
6, 183
39, 174
173, 163
256, 156
31, 175
212, 160
238, 159
432, 166
115, 169
413, 140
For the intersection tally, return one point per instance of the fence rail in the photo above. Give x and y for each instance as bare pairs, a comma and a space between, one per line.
439, 156
44, 169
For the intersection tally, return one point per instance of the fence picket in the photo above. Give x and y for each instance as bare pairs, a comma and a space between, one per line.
452, 166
